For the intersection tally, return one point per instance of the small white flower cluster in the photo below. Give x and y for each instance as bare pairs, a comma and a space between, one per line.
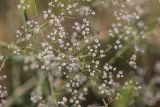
82, 28
132, 61
31, 24
30, 63
129, 84
93, 50
76, 99
104, 90
36, 96
3, 95
71, 65
16, 49
123, 30
47, 57
115, 32
126, 15
22, 35
53, 19
3, 92
111, 77
23, 5
77, 81
86, 11
139, 49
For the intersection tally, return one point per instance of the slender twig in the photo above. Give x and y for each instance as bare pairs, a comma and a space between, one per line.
3, 64
35, 8
50, 79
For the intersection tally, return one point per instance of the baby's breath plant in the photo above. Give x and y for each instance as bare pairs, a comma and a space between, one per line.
65, 59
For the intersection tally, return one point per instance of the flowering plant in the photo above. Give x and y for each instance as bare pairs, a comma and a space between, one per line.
67, 59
